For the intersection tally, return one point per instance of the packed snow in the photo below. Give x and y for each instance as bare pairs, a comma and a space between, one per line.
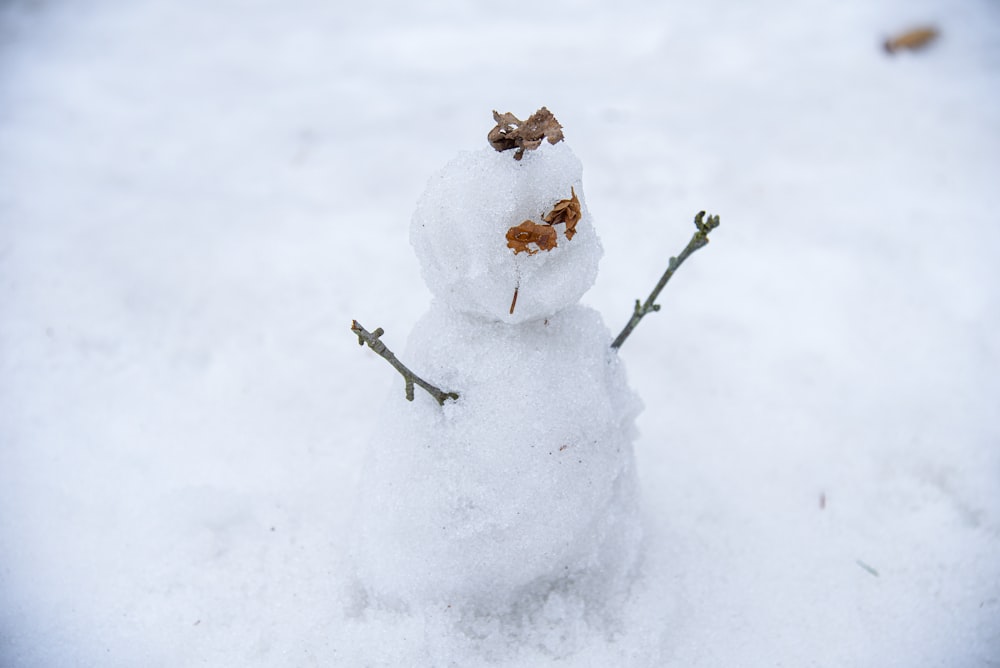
472, 203
196, 199
521, 491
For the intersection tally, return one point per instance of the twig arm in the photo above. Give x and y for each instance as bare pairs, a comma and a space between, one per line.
699, 240
375, 343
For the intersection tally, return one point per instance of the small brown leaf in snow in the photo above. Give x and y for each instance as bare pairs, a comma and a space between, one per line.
510, 132
520, 237
914, 39
565, 211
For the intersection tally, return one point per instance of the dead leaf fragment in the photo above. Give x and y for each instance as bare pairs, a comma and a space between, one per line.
520, 237
566, 211
527, 135
914, 39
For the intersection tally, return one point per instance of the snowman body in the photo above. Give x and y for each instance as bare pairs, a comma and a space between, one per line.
525, 484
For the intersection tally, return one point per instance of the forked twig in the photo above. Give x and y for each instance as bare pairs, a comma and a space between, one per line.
699, 240
375, 343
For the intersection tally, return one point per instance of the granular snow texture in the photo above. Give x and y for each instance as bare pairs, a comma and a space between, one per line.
197, 198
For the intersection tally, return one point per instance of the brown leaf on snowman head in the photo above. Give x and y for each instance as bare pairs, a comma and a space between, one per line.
527, 135
520, 237
565, 211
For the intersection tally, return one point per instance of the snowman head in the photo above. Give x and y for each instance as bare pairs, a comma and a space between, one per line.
489, 227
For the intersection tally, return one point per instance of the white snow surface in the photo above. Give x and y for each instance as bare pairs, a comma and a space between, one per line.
197, 198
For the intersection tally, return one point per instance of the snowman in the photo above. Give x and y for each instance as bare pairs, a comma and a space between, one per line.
511, 481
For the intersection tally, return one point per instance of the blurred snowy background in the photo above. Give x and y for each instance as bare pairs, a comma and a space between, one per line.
196, 198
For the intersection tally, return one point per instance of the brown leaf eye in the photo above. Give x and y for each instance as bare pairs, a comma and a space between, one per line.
566, 211
520, 236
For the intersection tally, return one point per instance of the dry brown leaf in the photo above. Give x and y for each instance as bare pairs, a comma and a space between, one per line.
521, 236
503, 137
913, 40
527, 135
544, 237
565, 211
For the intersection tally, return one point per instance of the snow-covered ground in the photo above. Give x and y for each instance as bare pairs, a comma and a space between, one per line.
197, 198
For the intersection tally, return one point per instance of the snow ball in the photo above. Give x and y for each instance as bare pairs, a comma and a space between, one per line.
459, 232
517, 501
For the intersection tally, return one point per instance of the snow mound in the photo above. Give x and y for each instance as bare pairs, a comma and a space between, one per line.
520, 498
460, 225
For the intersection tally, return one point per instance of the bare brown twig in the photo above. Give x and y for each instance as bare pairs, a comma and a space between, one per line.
375, 343
699, 240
